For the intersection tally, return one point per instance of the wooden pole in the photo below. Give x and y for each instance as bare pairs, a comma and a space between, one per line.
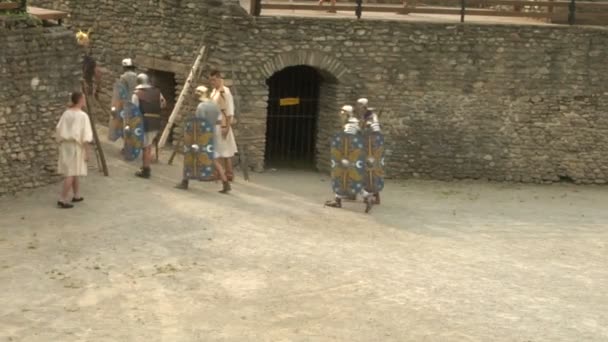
463, 6
182, 97
180, 145
98, 150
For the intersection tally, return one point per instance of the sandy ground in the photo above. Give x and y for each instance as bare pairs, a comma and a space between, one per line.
465, 261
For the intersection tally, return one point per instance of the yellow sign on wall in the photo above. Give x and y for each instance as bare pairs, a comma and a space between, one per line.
289, 101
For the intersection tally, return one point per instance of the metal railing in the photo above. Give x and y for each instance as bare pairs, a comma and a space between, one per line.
545, 9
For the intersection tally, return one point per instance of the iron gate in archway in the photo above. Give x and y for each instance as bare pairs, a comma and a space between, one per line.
293, 108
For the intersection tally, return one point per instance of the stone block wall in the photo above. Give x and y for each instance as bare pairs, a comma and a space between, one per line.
38, 70
497, 102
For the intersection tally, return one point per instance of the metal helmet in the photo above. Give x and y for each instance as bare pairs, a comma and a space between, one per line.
201, 92
347, 109
143, 79
127, 62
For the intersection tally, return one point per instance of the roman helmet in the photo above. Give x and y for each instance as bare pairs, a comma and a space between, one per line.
201, 93
127, 63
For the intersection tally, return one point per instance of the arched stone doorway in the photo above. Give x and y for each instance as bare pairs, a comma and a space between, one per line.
293, 112
305, 92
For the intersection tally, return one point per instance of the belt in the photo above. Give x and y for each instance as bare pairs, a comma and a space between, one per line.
150, 115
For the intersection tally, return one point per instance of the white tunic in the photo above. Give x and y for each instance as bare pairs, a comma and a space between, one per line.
73, 132
225, 147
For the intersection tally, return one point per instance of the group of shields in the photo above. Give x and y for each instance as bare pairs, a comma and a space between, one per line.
357, 160
127, 123
357, 163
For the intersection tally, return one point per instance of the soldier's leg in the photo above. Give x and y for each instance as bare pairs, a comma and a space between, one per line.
63, 202
145, 171
147, 156
183, 185
76, 190
336, 203
368, 199
228, 169
220, 170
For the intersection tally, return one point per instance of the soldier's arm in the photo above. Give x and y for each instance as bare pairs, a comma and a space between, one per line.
135, 99
163, 102
229, 107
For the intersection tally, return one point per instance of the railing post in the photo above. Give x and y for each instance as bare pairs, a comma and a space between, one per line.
463, 6
572, 12
359, 9
255, 7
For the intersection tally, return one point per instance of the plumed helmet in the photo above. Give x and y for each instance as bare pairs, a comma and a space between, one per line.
83, 38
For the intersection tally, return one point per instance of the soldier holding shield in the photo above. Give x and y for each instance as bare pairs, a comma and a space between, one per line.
374, 149
348, 163
150, 102
200, 139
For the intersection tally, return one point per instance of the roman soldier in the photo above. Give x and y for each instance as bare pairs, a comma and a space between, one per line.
351, 128
123, 92
369, 119
150, 102
210, 112
369, 123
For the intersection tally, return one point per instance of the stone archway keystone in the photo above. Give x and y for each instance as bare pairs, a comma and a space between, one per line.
311, 58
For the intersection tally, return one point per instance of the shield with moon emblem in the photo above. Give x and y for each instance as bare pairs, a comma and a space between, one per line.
133, 130
119, 96
347, 164
374, 161
198, 149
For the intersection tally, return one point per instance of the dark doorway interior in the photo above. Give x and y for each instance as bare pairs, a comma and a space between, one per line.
165, 81
293, 108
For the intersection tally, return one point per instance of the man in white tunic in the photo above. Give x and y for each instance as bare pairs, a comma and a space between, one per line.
73, 134
225, 143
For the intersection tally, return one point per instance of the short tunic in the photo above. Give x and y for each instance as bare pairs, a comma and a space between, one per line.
225, 147
73, 132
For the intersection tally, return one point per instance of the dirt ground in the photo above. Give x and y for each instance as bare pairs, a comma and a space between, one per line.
464, 261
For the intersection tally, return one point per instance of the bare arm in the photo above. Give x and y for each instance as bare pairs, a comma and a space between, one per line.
163, 102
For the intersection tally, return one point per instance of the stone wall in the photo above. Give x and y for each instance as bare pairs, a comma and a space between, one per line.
498, 102
38, 70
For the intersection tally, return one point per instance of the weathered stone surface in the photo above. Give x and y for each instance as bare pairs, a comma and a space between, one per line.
533, 98
39, 69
